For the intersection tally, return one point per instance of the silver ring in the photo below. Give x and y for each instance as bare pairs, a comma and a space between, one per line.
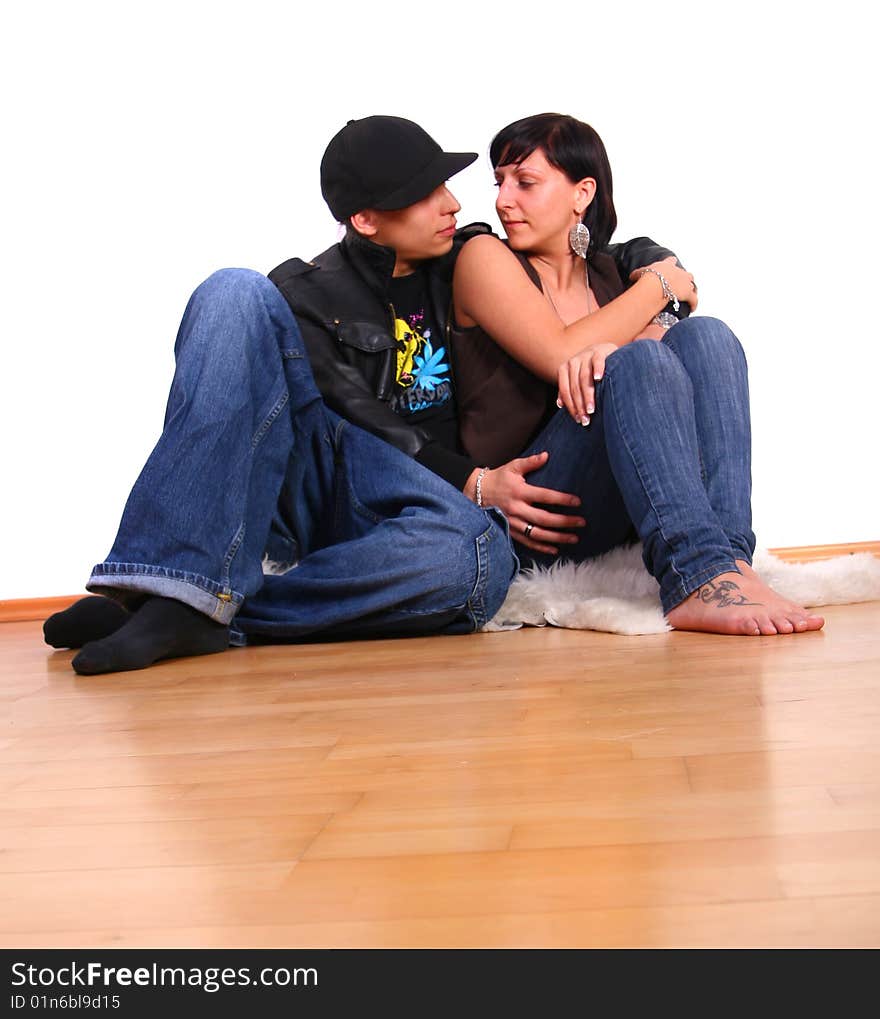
527, 530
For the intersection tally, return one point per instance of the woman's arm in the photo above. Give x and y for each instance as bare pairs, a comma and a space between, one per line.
491, 290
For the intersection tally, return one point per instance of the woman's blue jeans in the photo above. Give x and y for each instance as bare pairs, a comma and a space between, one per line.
254, 473
666, 458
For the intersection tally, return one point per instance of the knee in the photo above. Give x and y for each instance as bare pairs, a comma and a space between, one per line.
236, 311
235, 288
643, 358
706, 336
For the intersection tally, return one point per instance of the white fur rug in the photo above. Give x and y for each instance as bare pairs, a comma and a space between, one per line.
615, 592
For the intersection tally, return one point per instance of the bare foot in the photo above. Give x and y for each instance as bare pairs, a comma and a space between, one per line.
741, 604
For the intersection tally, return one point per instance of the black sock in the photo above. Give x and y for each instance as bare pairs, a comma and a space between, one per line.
91, 618
160, 628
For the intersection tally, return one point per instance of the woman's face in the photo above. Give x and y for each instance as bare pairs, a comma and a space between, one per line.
538, 204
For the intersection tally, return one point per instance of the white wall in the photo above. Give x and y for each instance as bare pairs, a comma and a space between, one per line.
147, 145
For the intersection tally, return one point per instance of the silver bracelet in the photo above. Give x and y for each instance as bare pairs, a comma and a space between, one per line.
667, 289
666, 320
480, 486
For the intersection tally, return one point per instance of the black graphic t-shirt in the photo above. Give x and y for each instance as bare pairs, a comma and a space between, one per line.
423, 390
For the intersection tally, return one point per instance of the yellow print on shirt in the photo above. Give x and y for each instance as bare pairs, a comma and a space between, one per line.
409, 344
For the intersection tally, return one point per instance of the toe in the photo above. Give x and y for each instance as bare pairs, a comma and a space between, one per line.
751, 628
766, 627
783, 624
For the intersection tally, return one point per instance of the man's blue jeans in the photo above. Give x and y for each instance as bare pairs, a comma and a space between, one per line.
253, 472
665, 458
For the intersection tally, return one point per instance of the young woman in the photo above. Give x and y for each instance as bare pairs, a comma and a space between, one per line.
652, 438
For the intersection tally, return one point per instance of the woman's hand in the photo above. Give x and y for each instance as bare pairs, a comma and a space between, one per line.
680, 280
577, 378
506, 487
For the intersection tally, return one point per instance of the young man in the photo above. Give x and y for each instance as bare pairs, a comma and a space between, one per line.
263, 514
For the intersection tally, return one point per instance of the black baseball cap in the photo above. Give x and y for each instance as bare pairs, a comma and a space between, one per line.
384, 163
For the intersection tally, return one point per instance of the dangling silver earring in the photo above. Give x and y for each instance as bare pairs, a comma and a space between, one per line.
579, 239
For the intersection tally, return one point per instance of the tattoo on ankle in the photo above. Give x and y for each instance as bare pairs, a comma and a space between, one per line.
724, 595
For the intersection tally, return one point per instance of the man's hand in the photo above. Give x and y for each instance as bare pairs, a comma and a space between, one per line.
506, 487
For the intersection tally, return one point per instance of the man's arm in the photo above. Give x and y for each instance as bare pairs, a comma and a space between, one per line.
339, 376
636, 254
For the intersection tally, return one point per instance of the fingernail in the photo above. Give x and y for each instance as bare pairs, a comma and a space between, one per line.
597, 378
585, 421
590, 408
559, 404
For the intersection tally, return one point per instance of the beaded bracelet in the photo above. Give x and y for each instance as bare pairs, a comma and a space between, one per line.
480, 486
668, 292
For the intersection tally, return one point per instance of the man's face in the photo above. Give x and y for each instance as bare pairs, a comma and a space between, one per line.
419, 231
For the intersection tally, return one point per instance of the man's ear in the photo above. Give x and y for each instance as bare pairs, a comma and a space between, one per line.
365, 222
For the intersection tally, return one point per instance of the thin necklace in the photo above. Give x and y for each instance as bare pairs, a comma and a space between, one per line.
549, 296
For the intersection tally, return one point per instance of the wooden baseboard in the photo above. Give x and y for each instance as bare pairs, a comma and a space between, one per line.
809, 553
22, 610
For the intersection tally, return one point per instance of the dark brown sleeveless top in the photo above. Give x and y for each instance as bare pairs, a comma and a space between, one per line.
502, 406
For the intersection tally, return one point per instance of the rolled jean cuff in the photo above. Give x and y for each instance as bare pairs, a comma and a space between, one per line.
122, 580
686, 586
742, 551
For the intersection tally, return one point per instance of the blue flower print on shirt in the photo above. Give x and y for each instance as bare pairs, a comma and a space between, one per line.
429, 369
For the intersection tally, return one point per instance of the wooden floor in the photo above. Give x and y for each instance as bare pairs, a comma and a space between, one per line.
530, 788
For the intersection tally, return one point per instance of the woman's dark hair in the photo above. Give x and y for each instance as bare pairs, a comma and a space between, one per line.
572, 147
